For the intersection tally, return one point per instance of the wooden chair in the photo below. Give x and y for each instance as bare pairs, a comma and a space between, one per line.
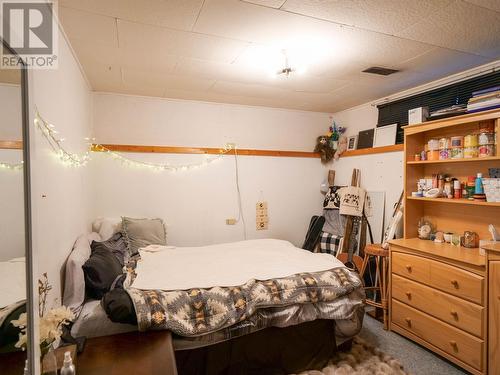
381, 281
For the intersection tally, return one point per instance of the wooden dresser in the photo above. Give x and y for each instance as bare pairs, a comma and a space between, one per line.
493, 253
445, 297
439, 298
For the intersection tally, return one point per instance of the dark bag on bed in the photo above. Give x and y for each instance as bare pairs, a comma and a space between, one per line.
313, 233
119, 306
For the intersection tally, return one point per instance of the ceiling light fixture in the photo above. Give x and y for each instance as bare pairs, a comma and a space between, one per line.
287, 70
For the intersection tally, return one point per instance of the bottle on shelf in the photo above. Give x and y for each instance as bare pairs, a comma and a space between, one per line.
68, 367
479, 184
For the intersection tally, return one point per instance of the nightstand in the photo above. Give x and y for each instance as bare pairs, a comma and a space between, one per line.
138, 353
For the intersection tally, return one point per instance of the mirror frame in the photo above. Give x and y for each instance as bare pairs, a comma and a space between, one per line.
30, 308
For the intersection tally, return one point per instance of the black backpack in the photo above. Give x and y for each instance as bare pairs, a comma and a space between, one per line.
313, 233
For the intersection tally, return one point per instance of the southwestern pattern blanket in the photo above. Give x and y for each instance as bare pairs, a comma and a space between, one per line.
197, 311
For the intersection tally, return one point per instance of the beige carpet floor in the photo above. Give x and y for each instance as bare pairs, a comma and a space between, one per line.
362, 359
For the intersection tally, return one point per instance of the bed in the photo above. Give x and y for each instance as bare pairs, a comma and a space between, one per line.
217, 298
12, 300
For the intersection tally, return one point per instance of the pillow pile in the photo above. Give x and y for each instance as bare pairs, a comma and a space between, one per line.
143, 232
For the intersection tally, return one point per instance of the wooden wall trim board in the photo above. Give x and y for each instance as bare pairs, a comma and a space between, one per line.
11, 145
243, 152
374, 150
17, 145
202, 150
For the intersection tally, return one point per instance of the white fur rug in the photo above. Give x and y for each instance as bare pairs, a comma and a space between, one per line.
362, 359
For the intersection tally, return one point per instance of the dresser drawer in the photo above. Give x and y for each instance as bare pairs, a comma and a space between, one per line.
411, 266
457, 281
453, 341
455, 311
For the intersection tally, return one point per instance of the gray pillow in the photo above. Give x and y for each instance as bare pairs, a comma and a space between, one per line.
143, 232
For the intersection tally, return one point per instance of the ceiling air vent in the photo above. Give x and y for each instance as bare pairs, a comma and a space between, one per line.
380, 71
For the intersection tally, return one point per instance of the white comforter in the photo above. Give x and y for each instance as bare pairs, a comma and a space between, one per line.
12, 281
229, 264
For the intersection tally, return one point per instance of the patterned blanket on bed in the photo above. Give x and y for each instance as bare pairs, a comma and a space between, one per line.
196, 312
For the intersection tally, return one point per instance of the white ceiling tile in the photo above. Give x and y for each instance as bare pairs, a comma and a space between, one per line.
380, 49
441, 62
489, 4
177, 14
101, 76
386, 16
141, 59
236, 47
179, 43
151, 78
271, 27
94, 28
267, 3
460, 26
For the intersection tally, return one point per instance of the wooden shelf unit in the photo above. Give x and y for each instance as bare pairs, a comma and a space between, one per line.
455, 201
444, 271
453, 215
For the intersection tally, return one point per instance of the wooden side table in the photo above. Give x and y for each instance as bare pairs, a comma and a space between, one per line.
138, 353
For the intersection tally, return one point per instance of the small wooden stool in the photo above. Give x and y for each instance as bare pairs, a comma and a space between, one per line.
381, 281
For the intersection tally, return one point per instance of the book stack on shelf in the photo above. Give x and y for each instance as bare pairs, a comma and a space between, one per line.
483, 100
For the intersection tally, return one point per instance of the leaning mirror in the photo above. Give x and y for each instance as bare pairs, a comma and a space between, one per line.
13, 206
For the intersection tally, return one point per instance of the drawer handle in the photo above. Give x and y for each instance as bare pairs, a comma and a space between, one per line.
454, 314
454, 345
408, 267
408, 294
454, 283
408, 322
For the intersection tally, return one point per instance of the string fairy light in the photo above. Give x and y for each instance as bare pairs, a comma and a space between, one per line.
11, 166
162, 166
51, 135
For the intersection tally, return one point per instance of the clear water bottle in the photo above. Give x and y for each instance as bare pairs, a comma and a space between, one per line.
68, 367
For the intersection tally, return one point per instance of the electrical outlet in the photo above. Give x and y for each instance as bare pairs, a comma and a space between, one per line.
230, 221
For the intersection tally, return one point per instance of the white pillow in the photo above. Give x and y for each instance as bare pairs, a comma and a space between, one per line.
107, 226
74, 279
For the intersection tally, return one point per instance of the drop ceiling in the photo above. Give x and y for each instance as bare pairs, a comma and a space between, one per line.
229, 50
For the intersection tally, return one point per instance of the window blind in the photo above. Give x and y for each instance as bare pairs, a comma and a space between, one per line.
396, 112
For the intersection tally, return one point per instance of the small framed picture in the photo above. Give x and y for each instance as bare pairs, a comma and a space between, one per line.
385, 135
352, 142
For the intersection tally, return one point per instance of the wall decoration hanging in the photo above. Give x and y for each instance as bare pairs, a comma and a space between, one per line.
324, 149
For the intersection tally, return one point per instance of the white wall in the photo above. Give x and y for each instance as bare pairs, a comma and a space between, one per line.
11, 207
11, 181
196, 203
10, 112
59, 193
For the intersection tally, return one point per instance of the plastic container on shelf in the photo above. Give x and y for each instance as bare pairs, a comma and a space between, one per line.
471, 140
444, 154
471, 152
457, 153
486, 151
486, 139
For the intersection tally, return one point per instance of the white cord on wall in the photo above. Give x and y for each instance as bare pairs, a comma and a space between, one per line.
240, 205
